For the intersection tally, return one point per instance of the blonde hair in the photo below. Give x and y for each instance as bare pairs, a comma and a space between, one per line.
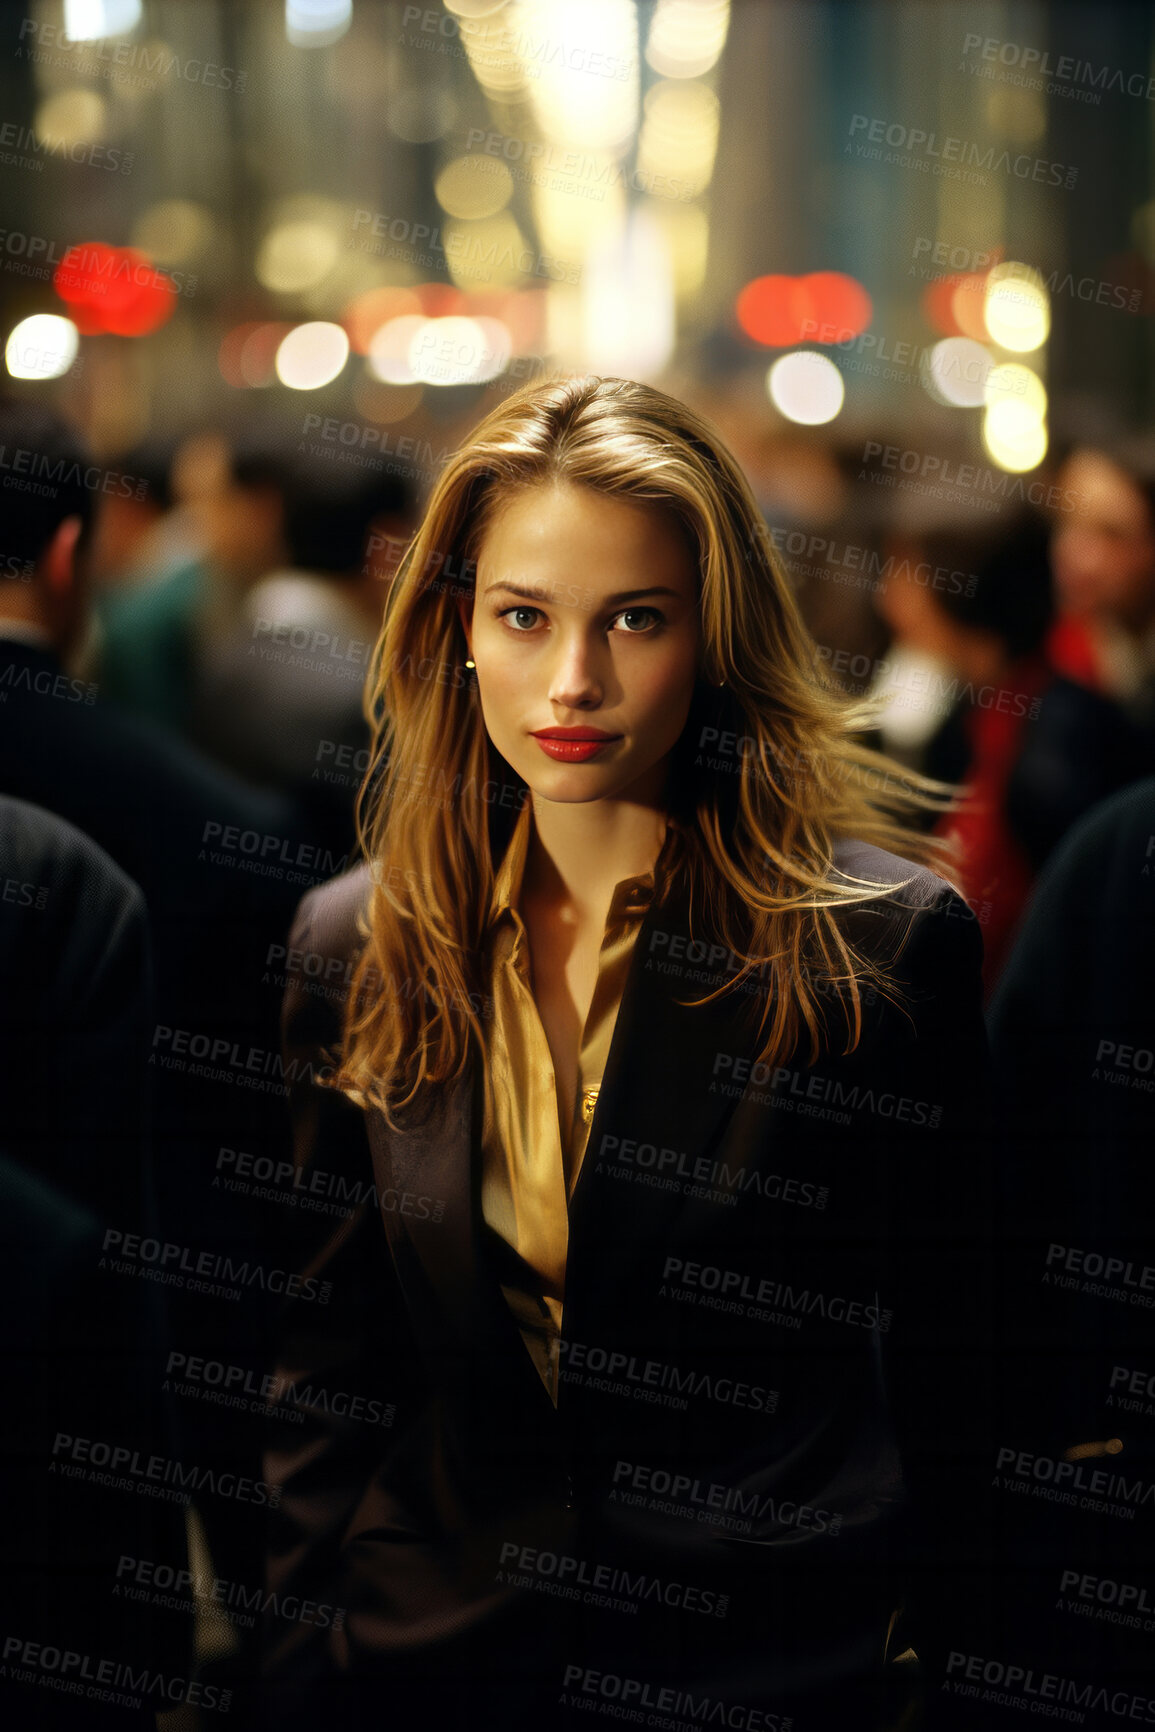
753, 850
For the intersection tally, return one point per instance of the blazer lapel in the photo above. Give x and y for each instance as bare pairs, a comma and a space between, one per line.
436, 1233
427, 1166
665, 1092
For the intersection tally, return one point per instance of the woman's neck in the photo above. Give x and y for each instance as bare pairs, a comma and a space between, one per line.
579, 851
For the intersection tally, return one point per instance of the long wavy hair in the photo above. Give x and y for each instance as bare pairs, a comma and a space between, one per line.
751, 850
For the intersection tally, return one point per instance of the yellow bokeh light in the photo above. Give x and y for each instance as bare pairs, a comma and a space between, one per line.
173, 231
474, 186
296, 256
679, 139
1016, 307
687, 233
1012, 384
491, 253
71, 117
580, 66
1014, 441
687, 36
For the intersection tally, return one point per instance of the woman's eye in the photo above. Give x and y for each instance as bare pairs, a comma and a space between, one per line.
513, 614
648, 616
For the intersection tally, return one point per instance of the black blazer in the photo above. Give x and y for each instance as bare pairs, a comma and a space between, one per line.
775, 1352
1073, 1037
82, 1348
221, 868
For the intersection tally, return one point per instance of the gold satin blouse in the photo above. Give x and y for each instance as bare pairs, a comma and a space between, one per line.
530, 1162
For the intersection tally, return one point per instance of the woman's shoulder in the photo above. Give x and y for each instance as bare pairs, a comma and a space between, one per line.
915, 914
904, 883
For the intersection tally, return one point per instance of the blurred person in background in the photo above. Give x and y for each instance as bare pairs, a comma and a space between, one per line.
279, 699
83, 1348
139, 534
1073, 1038
154, 633
221, 867
972, 604
839, 559
1103, 557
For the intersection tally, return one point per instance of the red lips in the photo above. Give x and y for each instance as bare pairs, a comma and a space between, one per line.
573, 734
573, 745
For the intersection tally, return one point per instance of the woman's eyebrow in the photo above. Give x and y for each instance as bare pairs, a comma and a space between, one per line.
541, 592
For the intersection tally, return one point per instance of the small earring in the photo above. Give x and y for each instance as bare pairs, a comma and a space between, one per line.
720, 684
470, 664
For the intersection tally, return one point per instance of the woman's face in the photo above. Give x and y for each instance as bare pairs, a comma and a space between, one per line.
585, 621
1103, 553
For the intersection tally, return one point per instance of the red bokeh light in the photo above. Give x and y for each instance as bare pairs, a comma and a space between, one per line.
937, 309
441, 300
114, 289
772, 310
248, 352
366, 313
841, 306
823, 307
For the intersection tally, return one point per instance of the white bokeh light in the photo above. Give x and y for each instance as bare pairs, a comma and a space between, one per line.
90, 20
956, 372
43, 346
312, 355
316, 23
805, 387
459, 351
388, 356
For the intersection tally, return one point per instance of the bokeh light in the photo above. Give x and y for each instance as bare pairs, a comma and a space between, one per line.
366, 313
687, 36
89, 20
1012, 382
474, 186
388, 354
43, 346
173, 231
806, 387
956, 371
1012, 440
823, 307
312, 355
71, 117
114, 289
458, 351
316, 23
297, 255
1016, 307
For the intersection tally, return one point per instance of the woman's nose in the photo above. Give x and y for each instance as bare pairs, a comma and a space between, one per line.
577, 679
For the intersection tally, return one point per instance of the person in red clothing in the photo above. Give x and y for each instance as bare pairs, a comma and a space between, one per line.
1103, 558
1033, 747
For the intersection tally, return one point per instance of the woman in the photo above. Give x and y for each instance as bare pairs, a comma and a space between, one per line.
659, 1069
1103, 558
